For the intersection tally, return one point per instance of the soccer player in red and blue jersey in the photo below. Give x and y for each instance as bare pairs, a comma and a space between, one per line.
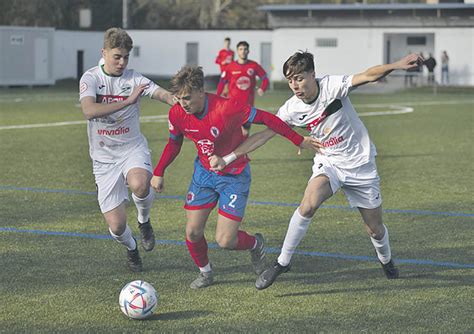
241, 76
214, 125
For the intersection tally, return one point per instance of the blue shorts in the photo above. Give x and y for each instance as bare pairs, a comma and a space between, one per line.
207, 188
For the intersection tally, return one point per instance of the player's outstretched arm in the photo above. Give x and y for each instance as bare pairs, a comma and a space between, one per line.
249, 145
377, 72
252, 143
91, 109
164, 96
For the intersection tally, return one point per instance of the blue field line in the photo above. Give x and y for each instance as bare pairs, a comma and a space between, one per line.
338, 207
268, 249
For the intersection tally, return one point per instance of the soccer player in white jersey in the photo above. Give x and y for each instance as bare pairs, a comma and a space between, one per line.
110, 100
346, 159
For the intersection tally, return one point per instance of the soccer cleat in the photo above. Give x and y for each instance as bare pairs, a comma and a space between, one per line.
269, 276
390, 270
203, 280
148, 237
258, 254
134, 261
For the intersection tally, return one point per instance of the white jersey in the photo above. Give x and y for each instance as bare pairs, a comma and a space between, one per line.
332, 120
112, 137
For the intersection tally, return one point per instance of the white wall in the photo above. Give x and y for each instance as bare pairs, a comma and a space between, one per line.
360, 48
163, 52
66, 45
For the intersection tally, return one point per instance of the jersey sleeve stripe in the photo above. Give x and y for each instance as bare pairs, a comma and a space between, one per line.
175, 137
253, 112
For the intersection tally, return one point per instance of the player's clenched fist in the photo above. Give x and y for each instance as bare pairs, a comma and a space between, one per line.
217, 163
158, 183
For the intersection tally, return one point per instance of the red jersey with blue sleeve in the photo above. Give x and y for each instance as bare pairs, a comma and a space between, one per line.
217, 131
242, 79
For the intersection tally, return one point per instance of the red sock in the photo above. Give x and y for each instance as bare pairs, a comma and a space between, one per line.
245, 241
198, 251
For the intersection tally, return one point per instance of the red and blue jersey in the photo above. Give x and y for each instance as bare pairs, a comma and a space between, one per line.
242, 79
217, 131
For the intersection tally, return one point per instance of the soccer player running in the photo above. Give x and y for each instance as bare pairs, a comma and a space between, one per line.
213, 124
240, 76
347, 160
109, 95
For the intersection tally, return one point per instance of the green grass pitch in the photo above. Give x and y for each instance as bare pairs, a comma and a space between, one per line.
60, 273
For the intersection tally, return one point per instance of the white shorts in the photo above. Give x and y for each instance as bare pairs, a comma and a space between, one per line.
361, 185
111, 178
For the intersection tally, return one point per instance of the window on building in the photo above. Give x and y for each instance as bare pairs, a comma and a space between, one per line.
326, 42
136, 51
416, 40
192, 53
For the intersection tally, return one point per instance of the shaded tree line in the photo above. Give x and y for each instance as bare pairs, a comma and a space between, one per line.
148, 14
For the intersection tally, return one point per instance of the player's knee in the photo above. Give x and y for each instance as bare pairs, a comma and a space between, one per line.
225, 241
307, 210
117, 229
194, 234
140, 189
376, 230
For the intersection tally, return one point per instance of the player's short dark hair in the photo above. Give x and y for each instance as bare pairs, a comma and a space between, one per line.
244, 43
187, 79
227, 39
301, 61
117, 38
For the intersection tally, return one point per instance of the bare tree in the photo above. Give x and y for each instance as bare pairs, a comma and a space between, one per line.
210, 11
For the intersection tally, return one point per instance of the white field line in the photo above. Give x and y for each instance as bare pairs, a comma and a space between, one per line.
144, 119
394, 109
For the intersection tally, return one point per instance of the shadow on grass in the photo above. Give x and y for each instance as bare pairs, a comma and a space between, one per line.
179, 315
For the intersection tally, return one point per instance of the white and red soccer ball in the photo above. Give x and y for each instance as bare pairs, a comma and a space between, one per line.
138, 299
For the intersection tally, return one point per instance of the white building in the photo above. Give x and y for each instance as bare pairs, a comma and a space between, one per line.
350, 38
343, 38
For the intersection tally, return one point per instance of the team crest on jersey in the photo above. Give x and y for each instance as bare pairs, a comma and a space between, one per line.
101, 144
206, 146
83, 87
243, 83
215, 132
250, 71
326, 131
190, 197
170, 126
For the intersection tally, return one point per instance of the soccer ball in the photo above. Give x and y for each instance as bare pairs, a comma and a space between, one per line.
138, 299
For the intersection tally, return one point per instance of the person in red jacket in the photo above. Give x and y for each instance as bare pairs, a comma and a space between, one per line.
213, 124
241, 77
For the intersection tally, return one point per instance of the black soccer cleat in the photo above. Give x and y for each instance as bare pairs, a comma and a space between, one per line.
134, 260
269, 276
148, 237
390, 270
258, 254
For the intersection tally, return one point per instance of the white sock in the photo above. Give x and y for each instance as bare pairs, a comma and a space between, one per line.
382, 247
296, 231
144, 206
125, 239
207, 268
